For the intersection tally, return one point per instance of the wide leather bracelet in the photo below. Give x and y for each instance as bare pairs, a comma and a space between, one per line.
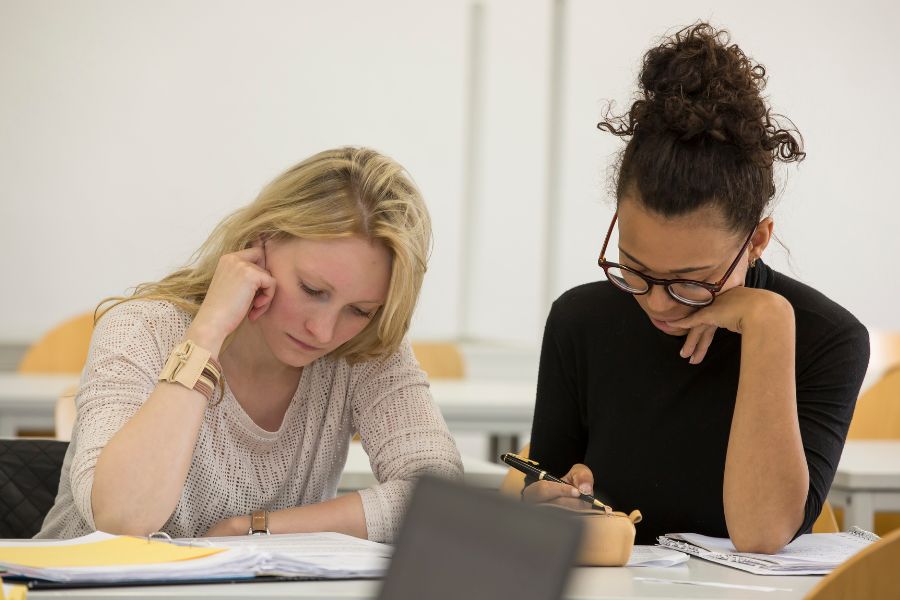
194, 368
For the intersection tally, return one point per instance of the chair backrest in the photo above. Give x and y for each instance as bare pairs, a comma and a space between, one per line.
871, 573
29, 480
441, 360
826, 523
63, 349
877, 414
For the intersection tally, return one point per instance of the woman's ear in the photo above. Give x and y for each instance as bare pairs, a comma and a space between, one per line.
761, 238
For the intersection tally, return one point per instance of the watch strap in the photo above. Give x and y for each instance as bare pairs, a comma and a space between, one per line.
259, 523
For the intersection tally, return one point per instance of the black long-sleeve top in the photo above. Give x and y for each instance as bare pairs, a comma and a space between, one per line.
613, 393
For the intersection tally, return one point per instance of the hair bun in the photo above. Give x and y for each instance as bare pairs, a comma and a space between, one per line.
698, 86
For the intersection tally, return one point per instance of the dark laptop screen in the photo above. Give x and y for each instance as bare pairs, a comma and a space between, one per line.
462, 543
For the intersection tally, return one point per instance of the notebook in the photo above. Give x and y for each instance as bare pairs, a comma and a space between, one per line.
460, 542
809, 554
103, 559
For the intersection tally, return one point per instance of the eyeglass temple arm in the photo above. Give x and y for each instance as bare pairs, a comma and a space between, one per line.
608, 235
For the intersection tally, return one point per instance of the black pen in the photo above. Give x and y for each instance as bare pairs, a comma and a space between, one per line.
530, 467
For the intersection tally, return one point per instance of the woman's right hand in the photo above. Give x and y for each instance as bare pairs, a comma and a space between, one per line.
563, 494
241, 287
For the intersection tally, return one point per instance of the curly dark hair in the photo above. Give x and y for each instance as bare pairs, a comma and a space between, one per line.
701, 133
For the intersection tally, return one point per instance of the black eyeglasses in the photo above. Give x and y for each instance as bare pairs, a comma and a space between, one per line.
685, 291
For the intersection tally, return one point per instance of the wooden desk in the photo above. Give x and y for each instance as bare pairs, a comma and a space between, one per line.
867, 480
586, 584
357, 474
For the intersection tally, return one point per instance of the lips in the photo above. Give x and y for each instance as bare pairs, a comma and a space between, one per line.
304, 345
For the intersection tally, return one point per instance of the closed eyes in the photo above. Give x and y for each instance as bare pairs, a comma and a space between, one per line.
314, 293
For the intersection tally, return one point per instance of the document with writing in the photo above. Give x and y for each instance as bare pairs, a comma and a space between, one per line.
107, 559
810, 554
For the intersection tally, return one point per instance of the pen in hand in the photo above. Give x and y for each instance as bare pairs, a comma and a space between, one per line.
532, 468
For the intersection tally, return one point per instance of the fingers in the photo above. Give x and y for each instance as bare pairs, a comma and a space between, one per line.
579, 480
690, 343
697, 343
703, 344
581, 477
547, 491
254, 254
570, 503
264, 295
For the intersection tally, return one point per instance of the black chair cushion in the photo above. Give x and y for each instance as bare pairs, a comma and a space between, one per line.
29, 479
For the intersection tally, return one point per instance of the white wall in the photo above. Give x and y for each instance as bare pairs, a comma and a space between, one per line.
128, 129
833, 71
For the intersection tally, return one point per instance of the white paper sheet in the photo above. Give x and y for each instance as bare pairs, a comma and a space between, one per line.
655, 556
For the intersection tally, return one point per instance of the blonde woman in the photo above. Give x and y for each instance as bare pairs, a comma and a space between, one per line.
222, 399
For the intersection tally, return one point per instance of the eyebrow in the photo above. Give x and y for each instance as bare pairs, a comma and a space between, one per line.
323, 284
674, 271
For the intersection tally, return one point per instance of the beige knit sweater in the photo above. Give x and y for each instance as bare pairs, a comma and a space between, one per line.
238, 467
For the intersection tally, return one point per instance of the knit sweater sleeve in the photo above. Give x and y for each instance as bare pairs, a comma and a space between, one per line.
404, 435
121, 371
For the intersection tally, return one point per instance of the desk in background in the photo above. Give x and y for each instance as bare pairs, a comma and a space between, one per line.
867, 481
357, 474
28, 401
491, 407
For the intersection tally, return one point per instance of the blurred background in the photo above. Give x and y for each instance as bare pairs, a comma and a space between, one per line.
128, 129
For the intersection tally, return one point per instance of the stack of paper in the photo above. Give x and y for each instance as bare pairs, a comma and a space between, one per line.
810, 554
654, 556
104, 558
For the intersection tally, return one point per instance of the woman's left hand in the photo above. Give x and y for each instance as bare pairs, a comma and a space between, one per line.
230, 526
734, 310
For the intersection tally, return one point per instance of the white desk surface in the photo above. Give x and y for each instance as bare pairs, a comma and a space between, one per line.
486, 406
25, 390
27, 401
867, 481
586, 584
870, 464
357, 474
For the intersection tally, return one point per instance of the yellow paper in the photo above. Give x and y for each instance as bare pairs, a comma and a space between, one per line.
116, 551
16, 592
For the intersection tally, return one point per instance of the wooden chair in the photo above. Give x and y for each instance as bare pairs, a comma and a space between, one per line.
877, 414
63, 349
441, 360
877, 417
873, 573
826, 523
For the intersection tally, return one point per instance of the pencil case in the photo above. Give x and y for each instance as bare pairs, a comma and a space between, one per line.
607, 538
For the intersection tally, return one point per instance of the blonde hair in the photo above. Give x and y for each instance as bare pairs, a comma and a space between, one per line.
333, 194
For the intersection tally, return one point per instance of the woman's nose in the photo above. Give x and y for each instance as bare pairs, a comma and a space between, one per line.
322, 325
658, 299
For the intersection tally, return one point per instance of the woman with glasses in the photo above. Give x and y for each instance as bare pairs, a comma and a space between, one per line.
697, 384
